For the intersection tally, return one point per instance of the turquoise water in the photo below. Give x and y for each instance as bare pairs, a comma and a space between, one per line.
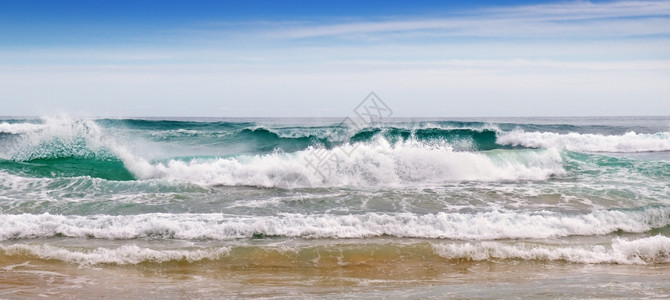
286, 200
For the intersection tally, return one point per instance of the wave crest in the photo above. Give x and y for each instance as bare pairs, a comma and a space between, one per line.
375, 163
641, 251
629, 142
477, 226
655, 249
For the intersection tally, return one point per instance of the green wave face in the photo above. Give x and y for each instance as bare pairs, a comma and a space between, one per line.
460, 139
607, 165
106, 148
82, 148
109, 169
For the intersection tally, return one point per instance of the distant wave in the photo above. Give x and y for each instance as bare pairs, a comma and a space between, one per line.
463, 139
629, 142
17, 128
172, 125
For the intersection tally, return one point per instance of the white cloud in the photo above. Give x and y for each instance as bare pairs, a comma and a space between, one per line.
561, 59
570, 19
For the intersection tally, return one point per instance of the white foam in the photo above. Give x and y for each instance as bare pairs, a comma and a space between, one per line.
335, 134
473, 127
655, 249
647, 250
343, 132
64, 136
57, 136
466, 226
18, 128
126, 254
374, 163
186, 131
629, 142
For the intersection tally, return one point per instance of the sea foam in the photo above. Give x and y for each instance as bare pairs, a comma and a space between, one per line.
654, 249
472, 226
628, 142
373, 163
377, 161
645, 250
123, 255
18, 128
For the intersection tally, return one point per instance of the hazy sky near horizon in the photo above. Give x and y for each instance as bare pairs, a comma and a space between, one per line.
321, 58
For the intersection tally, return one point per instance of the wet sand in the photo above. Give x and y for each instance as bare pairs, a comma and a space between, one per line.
457, 279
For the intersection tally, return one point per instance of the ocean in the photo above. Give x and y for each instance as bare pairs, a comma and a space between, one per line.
323, 207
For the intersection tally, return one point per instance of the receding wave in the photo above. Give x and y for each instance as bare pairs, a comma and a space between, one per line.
472, 226
655, 249
127, 254
646, 250
629, 142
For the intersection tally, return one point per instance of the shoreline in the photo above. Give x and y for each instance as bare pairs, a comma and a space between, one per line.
479, 279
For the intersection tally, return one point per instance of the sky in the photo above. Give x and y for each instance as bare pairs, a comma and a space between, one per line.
321, 58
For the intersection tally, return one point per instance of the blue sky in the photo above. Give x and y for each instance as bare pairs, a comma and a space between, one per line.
320, 58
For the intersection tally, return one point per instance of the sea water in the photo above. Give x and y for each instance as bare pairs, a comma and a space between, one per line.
465, 208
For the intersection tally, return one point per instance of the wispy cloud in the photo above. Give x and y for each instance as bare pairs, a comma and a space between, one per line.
572, 19
574, 58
